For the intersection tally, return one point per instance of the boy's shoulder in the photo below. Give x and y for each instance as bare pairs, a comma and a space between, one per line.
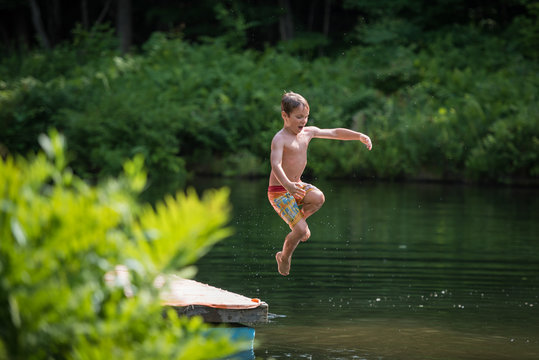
311, 131
311, 128
283, 134
279, 136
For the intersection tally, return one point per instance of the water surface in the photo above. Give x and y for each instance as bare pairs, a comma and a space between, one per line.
391, 271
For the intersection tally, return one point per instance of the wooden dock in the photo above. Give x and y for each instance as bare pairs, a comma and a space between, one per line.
214, 305
192, 298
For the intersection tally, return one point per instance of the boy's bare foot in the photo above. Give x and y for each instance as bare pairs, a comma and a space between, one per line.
283, 266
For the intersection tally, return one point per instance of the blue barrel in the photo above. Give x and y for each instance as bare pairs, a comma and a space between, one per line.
243, 334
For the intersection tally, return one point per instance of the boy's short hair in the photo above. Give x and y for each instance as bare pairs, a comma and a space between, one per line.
291, 100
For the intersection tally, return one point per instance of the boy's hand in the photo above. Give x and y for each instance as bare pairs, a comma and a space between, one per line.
296, 190
366, 140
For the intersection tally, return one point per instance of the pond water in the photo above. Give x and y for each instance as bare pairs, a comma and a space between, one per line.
391, 271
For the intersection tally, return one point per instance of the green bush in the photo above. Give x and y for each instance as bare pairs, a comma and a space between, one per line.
28, 107
429, 101
510, 150
59, 239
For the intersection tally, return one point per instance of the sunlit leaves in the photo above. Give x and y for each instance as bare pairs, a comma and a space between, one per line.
198, 223
60, 240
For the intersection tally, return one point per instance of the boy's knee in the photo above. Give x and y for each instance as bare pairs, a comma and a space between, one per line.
305, 234
303, 231
322, 198
318, 198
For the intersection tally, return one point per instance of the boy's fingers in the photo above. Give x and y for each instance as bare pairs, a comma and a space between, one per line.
368, 143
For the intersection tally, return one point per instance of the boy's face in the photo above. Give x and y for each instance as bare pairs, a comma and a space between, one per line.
296, 120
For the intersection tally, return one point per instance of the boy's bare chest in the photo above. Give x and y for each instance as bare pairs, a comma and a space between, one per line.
297, 146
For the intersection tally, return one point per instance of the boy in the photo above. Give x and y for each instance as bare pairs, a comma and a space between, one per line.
288, 160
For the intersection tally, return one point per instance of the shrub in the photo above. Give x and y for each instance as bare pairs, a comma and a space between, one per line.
61, 236
427, 100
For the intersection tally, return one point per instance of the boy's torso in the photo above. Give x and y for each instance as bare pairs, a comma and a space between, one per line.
294, 154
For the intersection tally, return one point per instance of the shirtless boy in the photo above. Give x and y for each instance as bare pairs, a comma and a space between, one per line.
286, 191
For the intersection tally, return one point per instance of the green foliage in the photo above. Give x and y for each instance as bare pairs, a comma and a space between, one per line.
62, 239
429, 100
509, 150
305, 44
428, 15
388, 31
525, 30
27, 109
86, 48
234, 23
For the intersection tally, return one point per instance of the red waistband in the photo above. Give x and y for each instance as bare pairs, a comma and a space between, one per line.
277, 188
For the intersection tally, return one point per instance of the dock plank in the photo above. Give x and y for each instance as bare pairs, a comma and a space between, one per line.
227, 316
192, 298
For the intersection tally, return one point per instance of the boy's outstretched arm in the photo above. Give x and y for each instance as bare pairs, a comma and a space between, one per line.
342, 134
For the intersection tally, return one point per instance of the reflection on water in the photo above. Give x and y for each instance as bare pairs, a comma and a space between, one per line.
391, 271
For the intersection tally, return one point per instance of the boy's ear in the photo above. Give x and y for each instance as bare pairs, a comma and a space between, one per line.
284, 115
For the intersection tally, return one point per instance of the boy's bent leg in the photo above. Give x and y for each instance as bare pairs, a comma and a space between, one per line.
312, 202
300, 232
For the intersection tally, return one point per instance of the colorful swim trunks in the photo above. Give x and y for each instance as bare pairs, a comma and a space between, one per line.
286, 205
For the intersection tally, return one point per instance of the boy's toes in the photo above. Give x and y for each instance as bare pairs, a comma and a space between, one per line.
284, 269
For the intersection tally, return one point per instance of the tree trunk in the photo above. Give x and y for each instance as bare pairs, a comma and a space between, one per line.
124, 25
38, 25
103, 12
327, 14
84, 14
286, 24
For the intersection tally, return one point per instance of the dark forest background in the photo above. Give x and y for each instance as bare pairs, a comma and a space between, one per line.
27, 23
447, 89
